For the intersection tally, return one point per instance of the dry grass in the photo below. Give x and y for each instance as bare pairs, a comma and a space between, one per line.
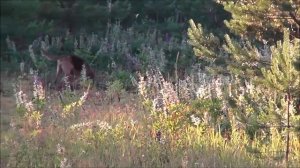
115, 134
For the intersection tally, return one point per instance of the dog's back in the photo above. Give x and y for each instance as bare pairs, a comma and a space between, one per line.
70, 65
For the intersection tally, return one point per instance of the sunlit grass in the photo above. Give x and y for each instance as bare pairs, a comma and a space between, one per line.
105, 133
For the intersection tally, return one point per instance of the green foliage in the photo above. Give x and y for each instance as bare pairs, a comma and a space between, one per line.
19, 20
262, 19
168, 126
115, 89
282, 74
146, 27
270, 70
245, 59
239, 57
203, 45
24, 21
124, 77
212, 107
172, 124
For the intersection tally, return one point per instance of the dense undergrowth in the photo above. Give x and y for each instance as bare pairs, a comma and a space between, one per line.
85, 129
191, 119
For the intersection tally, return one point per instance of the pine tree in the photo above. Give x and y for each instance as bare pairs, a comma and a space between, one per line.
263, 19
245, 59
204, 46
282, 74
275, 68
236, 56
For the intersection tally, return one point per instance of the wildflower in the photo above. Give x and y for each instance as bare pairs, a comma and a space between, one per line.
31, 71
29, 106
195, 120
113, 64
83, 76
203, 91
44, 45
67, 108
64, 163
101, 124
12, 124
98, 94
60, 149
229, 89
169, 96
67, 83
34, 118
10, 44
249, 87
22, 67
38, 90
217, 87
184, 89
162, 141
31, 54
142, 87
206, 118
21, 98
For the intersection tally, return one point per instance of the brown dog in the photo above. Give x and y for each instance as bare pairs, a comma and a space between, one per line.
70, 65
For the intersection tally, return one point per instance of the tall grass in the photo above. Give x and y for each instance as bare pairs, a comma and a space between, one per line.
200, 120
74, 131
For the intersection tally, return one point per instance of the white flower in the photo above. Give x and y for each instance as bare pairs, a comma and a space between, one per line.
203, 91
195, 120
60, 149
29, 106
38, 89
64, 163
103, 125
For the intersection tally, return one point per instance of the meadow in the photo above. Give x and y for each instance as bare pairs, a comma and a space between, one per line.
164, 115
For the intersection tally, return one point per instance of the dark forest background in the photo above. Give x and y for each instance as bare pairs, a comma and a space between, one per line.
23, 21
